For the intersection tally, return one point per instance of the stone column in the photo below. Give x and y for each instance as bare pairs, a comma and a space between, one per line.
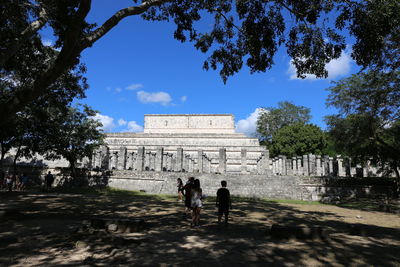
140, 159
330, 166
306, 170
153, 161
159, 159
105, 153
318, 169
280, 165
185, 163
179, 160
294, 166
311, 165
121, 158
129, 159
299, 167
169, 162
341, 172
284, 165
243, 156
264, 162
134, 158
200, 161
222, 160
164, 162
191, 165
115, 160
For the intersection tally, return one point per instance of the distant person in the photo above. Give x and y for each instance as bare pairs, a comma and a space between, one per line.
223, 202
196, 203
187, 193
24, 182
9, 182
49, 179
179, 184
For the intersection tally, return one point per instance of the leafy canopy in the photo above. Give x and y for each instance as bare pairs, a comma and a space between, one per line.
368, 124
273, 119
299, 139
243, 32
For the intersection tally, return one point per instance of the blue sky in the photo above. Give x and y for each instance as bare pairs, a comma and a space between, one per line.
139, 68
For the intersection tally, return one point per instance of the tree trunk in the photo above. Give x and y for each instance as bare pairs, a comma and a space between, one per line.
3, 153
396, 171
15, 160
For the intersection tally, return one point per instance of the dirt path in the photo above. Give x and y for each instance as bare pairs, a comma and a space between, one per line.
42, 232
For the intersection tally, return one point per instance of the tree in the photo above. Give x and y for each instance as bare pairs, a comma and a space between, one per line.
73, 134
368, 124
298, 139
23, 132
243, 32
273, 119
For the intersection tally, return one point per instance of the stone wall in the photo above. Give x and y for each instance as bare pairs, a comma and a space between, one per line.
248, 185
282, 187
189, 123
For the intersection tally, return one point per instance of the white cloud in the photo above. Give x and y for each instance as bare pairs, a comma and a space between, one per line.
108, 122
47, 42
122, 122
183, 99
159, 97
134, 127
134, 86
118, 89
337, 67
248, 126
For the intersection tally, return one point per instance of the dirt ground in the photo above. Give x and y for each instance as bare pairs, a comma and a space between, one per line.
41, 229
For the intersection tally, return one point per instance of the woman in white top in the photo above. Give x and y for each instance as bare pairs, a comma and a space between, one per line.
196, 203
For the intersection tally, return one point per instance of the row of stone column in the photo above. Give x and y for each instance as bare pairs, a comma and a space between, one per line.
143, 160
316, 165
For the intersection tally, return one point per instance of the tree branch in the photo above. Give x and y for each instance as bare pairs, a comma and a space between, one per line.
24, 36
228, 21
66, 59
118, 16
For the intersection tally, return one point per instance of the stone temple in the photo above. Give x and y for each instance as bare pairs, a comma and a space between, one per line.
190, 143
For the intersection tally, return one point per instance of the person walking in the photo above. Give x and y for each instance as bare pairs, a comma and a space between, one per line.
9, 182
223, 202
196, 203
49, 179
179, 184
187, 193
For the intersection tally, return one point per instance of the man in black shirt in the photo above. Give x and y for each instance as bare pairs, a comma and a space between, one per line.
223, 202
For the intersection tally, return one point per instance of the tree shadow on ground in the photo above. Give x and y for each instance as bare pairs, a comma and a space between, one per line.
43, 231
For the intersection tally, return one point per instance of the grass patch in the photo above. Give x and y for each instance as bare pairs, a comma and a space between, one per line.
115, 192
266, 200
122, 192
293, 201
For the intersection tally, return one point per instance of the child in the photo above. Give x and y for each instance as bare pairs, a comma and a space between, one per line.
223, 202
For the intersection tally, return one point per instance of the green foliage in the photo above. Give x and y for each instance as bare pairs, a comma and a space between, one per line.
243, 32
273, 119
368, 123
298, 139
72, 134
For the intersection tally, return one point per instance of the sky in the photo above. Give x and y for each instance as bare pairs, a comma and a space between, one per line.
139, 68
